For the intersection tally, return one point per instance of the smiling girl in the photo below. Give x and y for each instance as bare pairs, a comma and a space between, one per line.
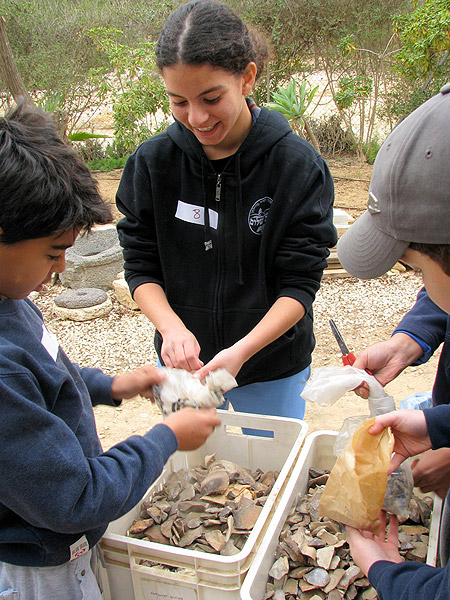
227, 218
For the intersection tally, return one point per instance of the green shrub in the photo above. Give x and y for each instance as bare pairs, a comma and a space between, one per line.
106, 164
134, 83
371, 151
90, 150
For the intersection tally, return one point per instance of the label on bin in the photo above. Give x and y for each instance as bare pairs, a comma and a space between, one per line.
155, 590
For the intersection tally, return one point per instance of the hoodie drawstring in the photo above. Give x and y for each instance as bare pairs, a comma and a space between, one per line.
207, 228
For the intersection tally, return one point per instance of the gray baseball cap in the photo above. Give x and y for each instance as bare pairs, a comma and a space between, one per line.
409, 193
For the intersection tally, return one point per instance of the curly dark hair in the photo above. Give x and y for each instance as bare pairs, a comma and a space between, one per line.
207, 32
45, 187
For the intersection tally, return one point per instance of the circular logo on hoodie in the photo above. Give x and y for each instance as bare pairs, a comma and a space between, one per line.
258, 213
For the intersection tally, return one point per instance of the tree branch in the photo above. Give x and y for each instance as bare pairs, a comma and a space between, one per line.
8, 69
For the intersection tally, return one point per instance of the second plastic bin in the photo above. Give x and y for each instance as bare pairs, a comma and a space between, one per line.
317, 452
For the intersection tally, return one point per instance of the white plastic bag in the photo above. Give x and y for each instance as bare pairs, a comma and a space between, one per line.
328, 384
348, 428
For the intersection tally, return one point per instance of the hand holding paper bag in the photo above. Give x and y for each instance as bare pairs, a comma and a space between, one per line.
355, 490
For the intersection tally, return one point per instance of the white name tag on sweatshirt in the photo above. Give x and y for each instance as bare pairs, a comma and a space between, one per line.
192, 213
50, 342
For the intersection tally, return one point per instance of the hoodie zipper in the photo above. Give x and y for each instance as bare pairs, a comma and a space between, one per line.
218, 321
218, 187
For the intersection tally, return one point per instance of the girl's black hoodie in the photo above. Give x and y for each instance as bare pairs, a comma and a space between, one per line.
225, 246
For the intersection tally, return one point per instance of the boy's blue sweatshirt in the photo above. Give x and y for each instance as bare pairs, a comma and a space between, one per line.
56, 483
431, 324
413, 580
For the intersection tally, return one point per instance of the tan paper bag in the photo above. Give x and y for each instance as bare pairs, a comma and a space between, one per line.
355, 490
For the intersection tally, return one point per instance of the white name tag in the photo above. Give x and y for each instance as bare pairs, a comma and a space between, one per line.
192, 213
50, 342
78, 548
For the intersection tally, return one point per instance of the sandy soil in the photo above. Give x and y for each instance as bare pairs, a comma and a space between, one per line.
351, 183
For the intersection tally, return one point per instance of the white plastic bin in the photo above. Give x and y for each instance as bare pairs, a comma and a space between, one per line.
317, 452
198, 575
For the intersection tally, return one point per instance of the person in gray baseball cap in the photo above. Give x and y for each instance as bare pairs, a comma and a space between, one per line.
409, 195
408, 218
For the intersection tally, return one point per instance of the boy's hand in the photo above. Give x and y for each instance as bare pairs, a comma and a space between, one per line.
140, 381
410, 432
431, 471
192, 426
367, 548
385, 360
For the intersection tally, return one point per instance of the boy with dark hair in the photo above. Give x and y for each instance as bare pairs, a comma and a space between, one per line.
58, 489
408, 218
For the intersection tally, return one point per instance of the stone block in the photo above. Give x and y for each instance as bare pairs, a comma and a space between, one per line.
94, 260
81, 298
84, 314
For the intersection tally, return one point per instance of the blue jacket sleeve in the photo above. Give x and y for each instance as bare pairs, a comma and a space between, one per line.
413, 580
92, 488
98, 385
438, 424
427, 322
409, 581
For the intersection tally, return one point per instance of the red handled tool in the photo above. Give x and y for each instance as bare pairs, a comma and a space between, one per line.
348, 358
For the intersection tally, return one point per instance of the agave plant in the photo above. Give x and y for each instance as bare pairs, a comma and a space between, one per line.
293, 105
53, 102
82, 136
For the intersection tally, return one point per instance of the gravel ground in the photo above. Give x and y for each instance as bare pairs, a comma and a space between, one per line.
365, 312
120, 341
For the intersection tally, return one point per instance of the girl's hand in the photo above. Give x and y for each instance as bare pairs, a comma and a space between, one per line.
140, 381
229, 359
192, 426
367, 548
180, 350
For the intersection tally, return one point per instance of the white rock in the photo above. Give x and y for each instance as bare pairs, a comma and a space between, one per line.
340, 217
123, 294
324, 557
399, 267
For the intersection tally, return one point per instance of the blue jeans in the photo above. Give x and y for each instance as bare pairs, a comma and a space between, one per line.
279, 398
75, 580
